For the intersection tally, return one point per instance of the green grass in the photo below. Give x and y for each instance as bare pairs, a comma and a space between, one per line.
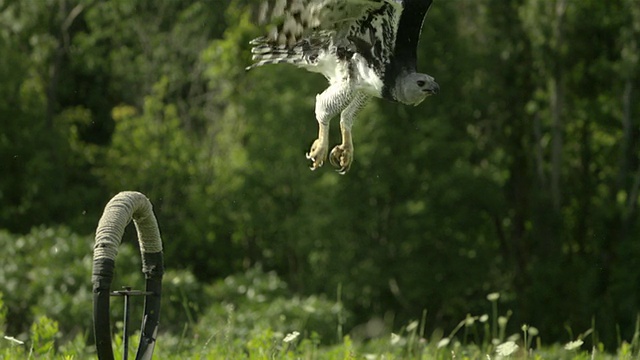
247, 315
475, 337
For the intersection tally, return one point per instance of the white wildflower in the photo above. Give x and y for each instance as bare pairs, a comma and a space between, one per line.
483, 318
493, 296
502, 321
291, 336
443, 342
14, 340
572, 345
469, 320
514, 337
412, 326
533, 331
395, 339
506, 349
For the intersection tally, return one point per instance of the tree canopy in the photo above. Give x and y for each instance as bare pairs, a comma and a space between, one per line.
522, 176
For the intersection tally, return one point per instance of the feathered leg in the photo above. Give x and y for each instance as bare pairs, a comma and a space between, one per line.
328, 104
342, 155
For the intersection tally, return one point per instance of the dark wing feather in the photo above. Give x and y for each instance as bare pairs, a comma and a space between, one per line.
384, 32
408, 35
404, 57
289, 21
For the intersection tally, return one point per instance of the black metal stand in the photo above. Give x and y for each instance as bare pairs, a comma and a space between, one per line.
126, 292
121, 209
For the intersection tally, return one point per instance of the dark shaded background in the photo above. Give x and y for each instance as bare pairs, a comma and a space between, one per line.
520, 177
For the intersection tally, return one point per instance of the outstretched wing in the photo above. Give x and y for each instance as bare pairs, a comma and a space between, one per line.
403, 60
384, 32
292, 20
408, 33
366, 27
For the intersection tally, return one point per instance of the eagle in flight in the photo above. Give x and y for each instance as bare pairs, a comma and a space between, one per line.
365, 48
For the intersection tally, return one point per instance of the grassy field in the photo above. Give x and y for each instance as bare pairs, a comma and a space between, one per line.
475, 337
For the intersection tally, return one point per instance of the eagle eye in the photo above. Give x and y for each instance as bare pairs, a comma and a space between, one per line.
421, 83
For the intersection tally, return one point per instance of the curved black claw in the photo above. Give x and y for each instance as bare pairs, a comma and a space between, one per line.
341, 157
317, 154
315, 164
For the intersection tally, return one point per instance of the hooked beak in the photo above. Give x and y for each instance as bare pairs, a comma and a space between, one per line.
432, 88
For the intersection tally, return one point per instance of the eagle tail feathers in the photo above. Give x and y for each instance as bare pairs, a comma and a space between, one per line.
266, 53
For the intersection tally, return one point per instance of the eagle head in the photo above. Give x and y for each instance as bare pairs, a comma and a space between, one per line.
413, 88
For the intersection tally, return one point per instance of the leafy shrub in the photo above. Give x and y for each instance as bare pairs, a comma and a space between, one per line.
3, 314
43, 335
246, 305
48, 272
182, 300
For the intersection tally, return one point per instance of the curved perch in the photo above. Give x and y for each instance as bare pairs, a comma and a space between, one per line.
120, 210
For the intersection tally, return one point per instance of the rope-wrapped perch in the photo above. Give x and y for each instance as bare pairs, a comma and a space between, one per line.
117, 214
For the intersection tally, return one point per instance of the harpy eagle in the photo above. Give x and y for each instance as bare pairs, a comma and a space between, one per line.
365, 48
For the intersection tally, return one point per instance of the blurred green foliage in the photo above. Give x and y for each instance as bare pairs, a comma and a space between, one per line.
45, 272
247, 304
522, 176
46, 298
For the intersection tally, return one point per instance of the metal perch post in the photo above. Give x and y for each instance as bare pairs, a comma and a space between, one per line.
120, 210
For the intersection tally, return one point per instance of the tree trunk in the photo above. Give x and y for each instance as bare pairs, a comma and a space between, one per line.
557, 104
